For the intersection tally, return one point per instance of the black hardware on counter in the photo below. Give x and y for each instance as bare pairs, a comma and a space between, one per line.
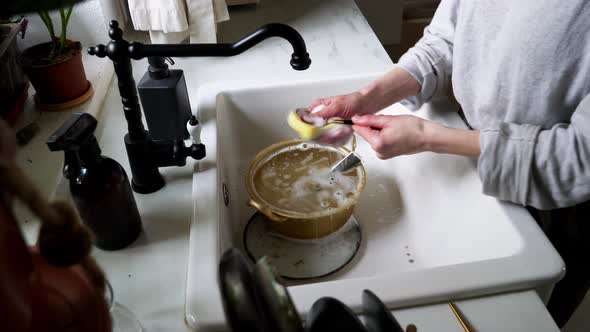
163, 144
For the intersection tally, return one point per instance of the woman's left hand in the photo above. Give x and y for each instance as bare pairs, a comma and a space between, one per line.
392, 135
395, 135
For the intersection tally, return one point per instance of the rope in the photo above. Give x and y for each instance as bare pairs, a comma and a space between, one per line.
63, 240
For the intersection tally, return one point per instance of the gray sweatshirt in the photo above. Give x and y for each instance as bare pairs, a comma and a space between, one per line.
521, 72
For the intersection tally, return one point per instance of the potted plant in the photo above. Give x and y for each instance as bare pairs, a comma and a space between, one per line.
14, 85
55, 68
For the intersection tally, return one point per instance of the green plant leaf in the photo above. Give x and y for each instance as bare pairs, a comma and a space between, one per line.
69, 13
44, 14
62, 40
46, 18
65, 19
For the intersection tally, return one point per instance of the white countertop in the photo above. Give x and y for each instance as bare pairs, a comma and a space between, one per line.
149, 277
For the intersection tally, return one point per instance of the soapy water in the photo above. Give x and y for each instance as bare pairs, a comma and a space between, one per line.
298, 179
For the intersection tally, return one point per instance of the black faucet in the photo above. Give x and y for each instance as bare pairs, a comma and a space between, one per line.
146, 155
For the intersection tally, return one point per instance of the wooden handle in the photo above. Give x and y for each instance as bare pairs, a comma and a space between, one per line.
462, 320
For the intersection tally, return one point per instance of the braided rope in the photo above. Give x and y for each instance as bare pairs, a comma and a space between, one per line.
63, 240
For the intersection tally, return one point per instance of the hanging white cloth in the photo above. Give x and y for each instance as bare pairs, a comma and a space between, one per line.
115, 10
172, 21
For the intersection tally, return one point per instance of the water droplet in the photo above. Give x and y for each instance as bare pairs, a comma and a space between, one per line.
407, 254
411, 261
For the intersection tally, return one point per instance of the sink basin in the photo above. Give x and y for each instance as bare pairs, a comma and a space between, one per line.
429, 234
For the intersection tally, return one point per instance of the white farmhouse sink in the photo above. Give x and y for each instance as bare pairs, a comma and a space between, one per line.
429, 234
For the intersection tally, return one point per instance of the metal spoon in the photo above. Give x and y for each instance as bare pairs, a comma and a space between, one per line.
302, 111
347, 163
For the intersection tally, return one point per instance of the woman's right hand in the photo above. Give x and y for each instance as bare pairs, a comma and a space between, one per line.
343, 106
390, 88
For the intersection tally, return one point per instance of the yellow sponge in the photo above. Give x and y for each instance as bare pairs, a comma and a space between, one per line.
306, 130
310, 131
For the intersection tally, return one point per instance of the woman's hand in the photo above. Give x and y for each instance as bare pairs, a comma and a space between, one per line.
391, 136
391, 88
395, 135
343, 106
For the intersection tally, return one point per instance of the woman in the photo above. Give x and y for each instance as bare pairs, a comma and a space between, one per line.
521, 72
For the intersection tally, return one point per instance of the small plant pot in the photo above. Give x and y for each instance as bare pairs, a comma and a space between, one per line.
59, 82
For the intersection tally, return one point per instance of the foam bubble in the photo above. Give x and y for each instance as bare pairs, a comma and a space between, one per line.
301, 181
307, 159
329, 193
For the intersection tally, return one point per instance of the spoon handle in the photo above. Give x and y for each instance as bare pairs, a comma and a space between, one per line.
346, 122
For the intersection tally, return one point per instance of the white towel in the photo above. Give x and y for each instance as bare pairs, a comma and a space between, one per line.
172, 21
115, 10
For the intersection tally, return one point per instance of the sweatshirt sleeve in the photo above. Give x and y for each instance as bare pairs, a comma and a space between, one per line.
430, 60
543, 168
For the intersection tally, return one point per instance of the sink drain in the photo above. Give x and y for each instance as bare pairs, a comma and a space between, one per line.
302, 259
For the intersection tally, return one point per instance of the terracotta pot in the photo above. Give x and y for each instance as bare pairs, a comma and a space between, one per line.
59, 81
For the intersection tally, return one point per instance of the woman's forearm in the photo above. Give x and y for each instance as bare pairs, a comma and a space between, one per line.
441, 139
389, 89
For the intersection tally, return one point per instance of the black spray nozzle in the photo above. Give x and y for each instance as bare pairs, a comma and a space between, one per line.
73, 133
76, 138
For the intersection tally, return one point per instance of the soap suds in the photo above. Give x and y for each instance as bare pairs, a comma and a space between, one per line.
305, 183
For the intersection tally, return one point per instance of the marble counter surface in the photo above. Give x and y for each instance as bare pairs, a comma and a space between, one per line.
149, 277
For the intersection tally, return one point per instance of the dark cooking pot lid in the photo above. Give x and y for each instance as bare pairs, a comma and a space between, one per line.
377, 317
329, 314
280, 312
253, 299
238, 292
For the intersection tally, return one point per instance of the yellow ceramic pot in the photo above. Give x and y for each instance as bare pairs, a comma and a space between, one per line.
296, 224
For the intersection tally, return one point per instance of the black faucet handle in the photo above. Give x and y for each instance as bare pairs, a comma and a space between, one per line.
196, 151
98, 50
115, 32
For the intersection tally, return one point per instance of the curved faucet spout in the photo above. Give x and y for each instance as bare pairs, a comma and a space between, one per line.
299, 59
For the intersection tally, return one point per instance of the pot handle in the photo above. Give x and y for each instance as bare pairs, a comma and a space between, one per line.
266, 211
352, 145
